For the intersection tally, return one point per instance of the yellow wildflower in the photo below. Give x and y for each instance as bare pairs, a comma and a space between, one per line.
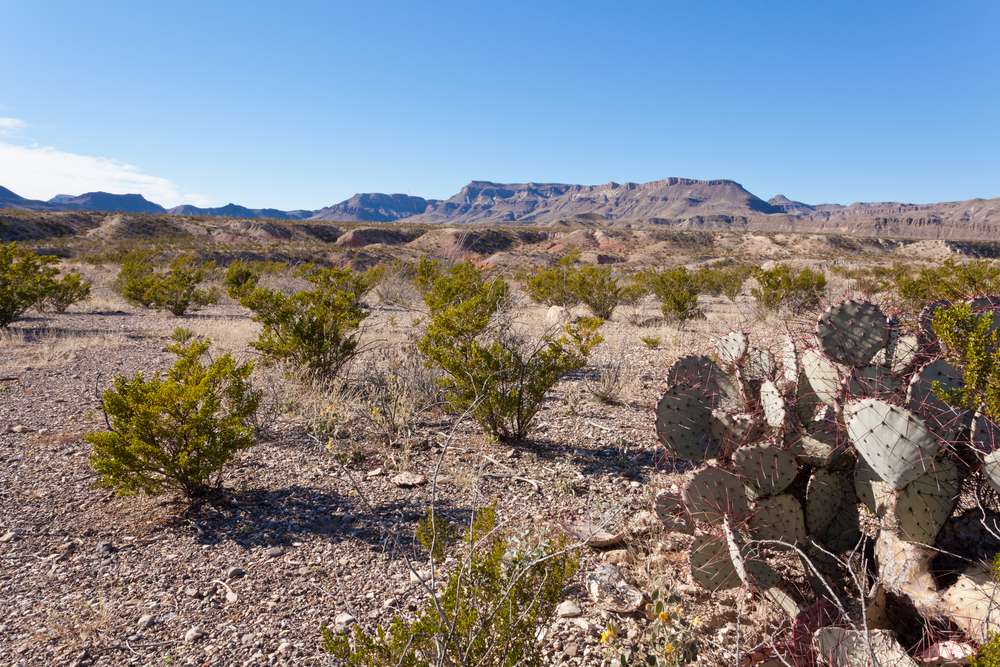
609, 634
664, 617
696, 621
668, 650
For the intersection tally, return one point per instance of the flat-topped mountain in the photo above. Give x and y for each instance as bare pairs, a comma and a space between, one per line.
680, 202
374, 207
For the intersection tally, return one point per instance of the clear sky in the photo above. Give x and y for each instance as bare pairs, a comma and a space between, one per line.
301, 104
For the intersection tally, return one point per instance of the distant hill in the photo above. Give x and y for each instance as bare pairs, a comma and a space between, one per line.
374, 207
107, 202
680, 202
237, 211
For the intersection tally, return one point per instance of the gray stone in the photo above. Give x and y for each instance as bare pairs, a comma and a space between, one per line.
235, 573
408, 480
194, 634
568, 609
274, 552
145, 621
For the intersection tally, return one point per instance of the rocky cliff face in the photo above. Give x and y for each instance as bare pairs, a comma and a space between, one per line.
373, 207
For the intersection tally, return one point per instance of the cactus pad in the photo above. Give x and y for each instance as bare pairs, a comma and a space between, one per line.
852, 332
991, 468
713, 494
984, 436
683, 423
842, 647
711, 565
773, 404
812, 451
875, 493
731, 348
832, 509
732, 429
778, 518
942, 418
891, 439
700, 372
789, 361
671, 512
767, 469
926, 332
903, 356
759, 365
872, 382
926, 502
822, 377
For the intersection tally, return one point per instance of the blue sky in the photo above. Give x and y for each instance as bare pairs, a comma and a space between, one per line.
300, 104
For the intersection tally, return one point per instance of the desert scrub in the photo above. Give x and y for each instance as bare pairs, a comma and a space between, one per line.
489, 370
555, 285
239, 279
435, 534
64, 292
175, 432
601, 291
29, 280
503, 588
723, 279
949, 280
315, 330
176, 290
974, 343
784, 288
651, 342
677, 291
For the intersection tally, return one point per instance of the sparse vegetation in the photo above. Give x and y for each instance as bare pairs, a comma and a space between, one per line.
176, 290
651, 342
175, 432
677, 291
973, 341
948, 280
501, 377
784, 288
315, 330
29, 280
555, 285
493, 602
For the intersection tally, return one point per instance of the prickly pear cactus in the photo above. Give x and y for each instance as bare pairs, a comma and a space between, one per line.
852, 332
892, 440
824, 445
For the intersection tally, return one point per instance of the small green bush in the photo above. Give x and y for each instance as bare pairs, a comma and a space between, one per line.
556, 285
677, 291
973, 342
783, 288
239, 279
26, 280
64, 292
315, 330
488, 614
598, 288
949, 280
435, 534
176, 289
651, 342
500, 377
723, 279
175, 432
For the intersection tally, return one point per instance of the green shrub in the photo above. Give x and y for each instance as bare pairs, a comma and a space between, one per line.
677, 291
670, 639
315, 330
783, 288
425, 273
239, 279
651, 342
26, 280
435, 534
488, 613
176, 289
723, 279
497, 375
64, 292
973, 342
598, 288
949, 280
556, 285
175, 432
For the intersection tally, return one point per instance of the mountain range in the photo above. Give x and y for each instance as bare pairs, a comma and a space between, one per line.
677, 201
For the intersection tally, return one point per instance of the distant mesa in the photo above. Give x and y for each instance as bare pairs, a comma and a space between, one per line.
683, 203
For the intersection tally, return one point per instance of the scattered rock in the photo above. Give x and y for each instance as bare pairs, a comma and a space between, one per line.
571, 650
609, 589
192, 592
377, 472
568, 609
593, 535
20, 428
145, 621
194, 634
8, 536
342, 621
274, 552
617, 556
235, 573
408, 480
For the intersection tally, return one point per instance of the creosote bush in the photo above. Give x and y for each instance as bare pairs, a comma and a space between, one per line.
599, 288
488, 613
784, 288
723, 279
501, 377
948, 280
974, 343
554, 285
315, 330
176, 290
677, 291
175, 432
29, 280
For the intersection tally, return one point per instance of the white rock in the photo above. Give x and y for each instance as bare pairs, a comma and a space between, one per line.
194, 634
568, 609
407, 480
145, 621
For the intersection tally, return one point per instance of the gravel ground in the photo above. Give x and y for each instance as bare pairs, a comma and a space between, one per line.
87, 577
